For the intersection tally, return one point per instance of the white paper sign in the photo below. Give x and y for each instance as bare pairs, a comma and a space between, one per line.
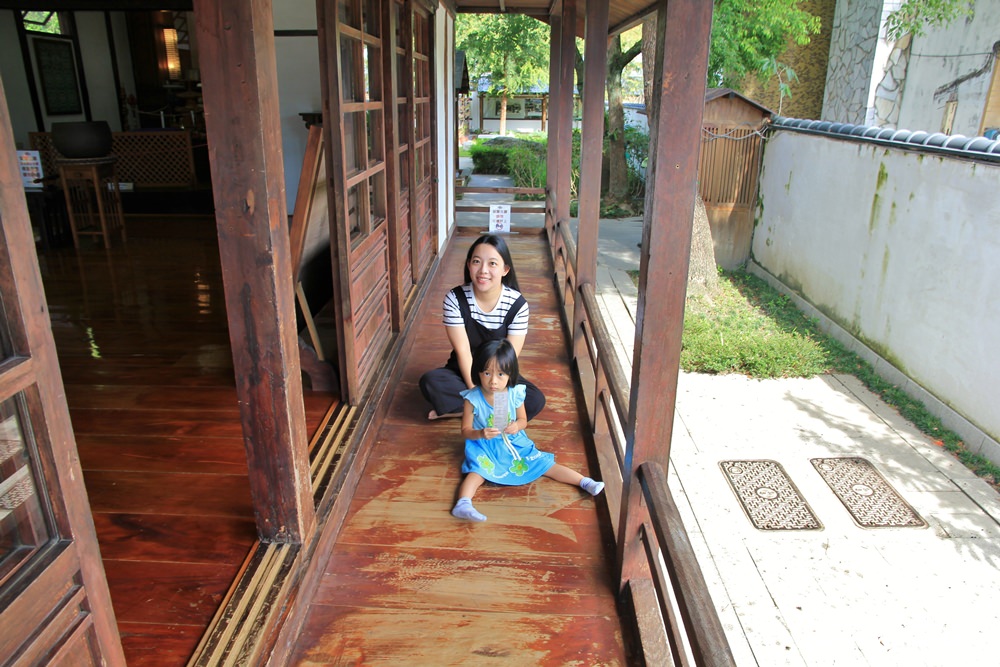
500, 218
500, 410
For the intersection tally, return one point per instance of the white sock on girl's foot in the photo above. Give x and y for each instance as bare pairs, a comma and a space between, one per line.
464, 510
590, 486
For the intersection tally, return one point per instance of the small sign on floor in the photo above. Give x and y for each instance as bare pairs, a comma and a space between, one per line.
500, 218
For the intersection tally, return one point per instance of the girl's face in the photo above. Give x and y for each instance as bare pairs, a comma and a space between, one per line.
486, 268
492, 379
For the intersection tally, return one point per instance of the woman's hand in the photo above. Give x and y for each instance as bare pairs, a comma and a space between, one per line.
489, 433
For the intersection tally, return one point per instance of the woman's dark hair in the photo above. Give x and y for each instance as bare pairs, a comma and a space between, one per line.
505, 356
510, 280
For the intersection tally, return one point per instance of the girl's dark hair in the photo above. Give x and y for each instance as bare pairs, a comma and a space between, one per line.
505, 356
510, 280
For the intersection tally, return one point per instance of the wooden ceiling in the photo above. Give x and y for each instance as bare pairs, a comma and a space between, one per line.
623, 14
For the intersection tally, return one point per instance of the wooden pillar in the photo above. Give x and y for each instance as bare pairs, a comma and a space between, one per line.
683, 29
592, 145
551, 164
564, 120
240, 89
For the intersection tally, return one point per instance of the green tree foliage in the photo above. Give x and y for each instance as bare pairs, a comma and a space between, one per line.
915, 16
747, 34
511, 50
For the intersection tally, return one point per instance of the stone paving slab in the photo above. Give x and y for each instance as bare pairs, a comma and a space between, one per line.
843, 595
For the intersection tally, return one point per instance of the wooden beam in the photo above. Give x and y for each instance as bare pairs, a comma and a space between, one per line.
592, 143
683, 29
240, 90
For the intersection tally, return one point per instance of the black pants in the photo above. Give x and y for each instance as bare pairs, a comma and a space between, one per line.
442, 386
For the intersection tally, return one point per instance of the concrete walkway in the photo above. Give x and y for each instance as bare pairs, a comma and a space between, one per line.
838, 594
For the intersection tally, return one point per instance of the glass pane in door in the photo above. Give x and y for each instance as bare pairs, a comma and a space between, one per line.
24, 524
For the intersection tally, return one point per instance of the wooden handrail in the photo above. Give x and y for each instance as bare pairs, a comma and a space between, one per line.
618, 383
656, 593
701, 621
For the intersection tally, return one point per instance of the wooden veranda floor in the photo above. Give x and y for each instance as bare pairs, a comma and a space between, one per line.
143, 344
408, 584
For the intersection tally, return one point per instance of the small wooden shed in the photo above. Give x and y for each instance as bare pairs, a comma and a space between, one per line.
728, 168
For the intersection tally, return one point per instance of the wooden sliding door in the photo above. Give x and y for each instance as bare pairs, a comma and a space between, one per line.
423, 143
379, 107
54, 603
351, 44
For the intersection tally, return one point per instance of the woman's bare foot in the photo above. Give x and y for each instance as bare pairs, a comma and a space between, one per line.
432, 415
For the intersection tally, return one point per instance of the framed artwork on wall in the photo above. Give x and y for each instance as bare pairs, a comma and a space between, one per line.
56, 65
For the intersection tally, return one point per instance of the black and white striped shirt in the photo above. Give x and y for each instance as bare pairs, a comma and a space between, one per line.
492, 319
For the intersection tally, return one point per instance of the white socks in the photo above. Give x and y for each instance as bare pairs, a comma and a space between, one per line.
464, 510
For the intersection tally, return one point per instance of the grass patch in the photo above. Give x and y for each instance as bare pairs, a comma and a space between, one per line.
750, 328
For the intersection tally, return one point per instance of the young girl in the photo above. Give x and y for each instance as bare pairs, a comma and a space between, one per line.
505, 456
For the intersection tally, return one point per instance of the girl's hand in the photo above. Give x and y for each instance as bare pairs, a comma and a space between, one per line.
513, 427
489, 433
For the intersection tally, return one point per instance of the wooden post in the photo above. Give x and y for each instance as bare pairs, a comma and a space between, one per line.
552, 165
683, 30
595, 74
564, 121
240, 87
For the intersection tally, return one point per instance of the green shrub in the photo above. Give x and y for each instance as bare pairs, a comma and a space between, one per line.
527, 166
488, 158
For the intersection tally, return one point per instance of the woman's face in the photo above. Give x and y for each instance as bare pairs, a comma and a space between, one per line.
486, 268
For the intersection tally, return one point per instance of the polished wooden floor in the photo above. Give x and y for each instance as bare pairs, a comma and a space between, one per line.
408, 584
143, 345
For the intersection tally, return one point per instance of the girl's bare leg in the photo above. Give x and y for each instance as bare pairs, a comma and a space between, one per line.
466, 490
561, 473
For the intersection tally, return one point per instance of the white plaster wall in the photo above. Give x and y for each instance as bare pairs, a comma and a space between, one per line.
943, 57
15, 81
901, 250
444, 81
297, 63
96, 61
97, 67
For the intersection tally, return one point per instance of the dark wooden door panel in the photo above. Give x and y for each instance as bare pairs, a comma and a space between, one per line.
54, 602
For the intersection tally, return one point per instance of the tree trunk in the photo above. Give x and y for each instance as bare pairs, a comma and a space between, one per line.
648, 61
703, 273
617, 168
503, 113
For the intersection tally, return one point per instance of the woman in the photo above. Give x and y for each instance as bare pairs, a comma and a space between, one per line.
487, 307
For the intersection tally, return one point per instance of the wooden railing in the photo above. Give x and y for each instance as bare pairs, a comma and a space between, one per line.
524, 207
150, 159
675, 620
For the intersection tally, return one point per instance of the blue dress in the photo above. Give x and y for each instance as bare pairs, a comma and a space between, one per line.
516, 461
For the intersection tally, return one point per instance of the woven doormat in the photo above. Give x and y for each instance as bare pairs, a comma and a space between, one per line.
769, 498
872, 502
